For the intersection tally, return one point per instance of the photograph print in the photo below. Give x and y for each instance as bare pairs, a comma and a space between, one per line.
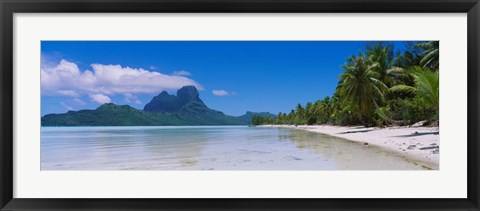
240, 105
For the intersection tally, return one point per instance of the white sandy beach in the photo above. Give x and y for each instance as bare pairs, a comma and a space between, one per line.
418, 144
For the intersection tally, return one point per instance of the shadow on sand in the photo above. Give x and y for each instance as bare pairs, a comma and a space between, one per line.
356, 131
419, 134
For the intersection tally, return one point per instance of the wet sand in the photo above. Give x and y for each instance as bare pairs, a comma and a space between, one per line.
417, 144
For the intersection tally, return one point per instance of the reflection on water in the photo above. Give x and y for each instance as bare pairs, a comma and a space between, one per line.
206, 148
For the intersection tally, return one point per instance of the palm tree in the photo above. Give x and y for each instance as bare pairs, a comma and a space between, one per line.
310, 114
359, 85
327, 104
279, 118
291, 116
430, 55
380, 57
309, 108
406, 59
299, 115
426, 88
403, 61
322, 110
300, 111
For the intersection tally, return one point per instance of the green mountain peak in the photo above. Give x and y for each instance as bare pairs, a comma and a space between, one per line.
186, 108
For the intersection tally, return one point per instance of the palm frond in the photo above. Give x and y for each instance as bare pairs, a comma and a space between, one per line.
402, 88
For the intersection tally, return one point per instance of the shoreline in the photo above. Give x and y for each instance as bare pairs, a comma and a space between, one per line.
417, 144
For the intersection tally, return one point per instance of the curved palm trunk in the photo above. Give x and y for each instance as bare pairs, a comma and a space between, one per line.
395, 122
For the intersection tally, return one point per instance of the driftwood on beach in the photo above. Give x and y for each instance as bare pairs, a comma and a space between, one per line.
430, 147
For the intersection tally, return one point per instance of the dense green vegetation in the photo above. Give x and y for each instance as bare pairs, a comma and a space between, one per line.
124, 115
378, 87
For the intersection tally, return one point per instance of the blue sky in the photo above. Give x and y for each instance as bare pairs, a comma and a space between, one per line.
233, 76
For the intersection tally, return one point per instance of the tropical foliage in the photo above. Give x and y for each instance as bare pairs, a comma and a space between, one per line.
378, 87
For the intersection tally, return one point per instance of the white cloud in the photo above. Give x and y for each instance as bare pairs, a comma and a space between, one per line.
182, 73
69, 108
66, 79
79, 101
100, 98
152, 67
129, 98
69, 93
220, 93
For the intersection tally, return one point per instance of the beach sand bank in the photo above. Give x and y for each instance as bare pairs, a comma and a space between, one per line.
417, 144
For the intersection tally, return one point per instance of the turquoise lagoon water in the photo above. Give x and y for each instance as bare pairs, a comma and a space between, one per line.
207, 148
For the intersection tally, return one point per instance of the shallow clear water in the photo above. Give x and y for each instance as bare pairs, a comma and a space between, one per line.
207, 148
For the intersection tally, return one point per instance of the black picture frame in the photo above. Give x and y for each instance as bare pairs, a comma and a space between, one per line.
9, 7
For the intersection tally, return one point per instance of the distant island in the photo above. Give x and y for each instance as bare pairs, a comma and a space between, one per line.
186, 108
